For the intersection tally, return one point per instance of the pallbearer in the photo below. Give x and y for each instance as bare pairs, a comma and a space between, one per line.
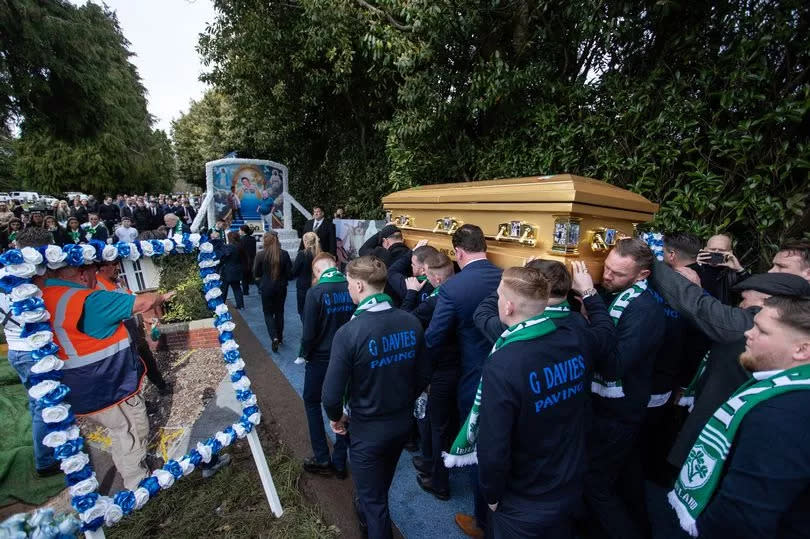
534, 403
327, 307
377, 362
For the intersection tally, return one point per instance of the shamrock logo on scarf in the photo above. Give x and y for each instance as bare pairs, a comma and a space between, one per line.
697, 469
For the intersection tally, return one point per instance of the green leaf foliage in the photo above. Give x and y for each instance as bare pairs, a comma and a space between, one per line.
66, 80
701, 107
179, 273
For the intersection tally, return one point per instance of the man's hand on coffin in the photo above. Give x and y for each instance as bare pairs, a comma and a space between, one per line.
412, 283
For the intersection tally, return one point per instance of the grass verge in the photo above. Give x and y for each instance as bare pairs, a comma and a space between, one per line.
230, 504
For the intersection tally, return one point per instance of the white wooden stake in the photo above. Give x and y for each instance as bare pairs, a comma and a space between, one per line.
264, 473
95, 534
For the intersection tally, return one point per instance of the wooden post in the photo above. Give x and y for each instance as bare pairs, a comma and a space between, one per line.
264, 473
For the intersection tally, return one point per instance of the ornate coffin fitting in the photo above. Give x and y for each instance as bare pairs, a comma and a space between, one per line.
562, 217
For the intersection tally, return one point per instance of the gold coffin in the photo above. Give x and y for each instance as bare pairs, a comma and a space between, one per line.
561, 217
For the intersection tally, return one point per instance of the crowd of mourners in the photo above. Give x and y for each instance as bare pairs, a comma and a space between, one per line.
557, 398
125, 218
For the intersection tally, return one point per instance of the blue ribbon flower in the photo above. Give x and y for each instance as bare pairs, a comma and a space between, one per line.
125, 499
29, 329
225, 336
210, 285
235, 377
157, 247
28, 304
64, 424
35, 378
214, 444
68, 449
46, 350
75, 254
56, 395
229, 431
151, 484
245, 422
12, 256
81, 475
207, 271
99, 247
93, 525
174, 468
123, 249
231, 356
213, 303
10, 282
194, 457
84, 502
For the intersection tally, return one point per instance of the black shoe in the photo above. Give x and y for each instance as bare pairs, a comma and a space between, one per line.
275, 345
313, 466
340, 473
167, 389
53, 469
421, 464
427, 485
411, 446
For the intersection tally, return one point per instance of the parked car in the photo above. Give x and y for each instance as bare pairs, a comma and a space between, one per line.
4, 197
25, 196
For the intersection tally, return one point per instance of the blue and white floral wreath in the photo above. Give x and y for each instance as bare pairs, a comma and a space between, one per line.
19, 267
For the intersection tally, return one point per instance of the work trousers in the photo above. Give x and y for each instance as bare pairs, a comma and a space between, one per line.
374, 462
314, 374
137, 334
273, 308
527, 519
128, 426
443, 422
22, 362
611, 447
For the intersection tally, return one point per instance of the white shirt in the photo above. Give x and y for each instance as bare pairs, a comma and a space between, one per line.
762, 375
316, 225
128, 235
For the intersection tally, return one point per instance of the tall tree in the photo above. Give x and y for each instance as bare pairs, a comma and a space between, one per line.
68, 83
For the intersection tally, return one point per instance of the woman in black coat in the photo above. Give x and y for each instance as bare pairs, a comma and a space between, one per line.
58, 233
272, 270
302, 269
230, 269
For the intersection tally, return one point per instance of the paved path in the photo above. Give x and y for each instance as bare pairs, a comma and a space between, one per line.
416, 513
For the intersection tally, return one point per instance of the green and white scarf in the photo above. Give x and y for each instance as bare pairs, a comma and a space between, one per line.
462, 453
601, 384
561, 310
422, 278
90, 232
372, 302
331, 275
435, 291
74, 235
687, 400
178, 228
703, 469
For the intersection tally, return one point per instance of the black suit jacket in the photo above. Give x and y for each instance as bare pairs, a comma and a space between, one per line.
326, 234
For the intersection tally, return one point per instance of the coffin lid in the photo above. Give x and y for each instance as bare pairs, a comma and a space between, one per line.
556, 188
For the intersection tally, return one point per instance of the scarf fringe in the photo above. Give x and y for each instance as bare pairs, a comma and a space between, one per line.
615, 392
457, 461
688, 523
687, 402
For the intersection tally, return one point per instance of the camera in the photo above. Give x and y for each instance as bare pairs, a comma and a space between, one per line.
716, 259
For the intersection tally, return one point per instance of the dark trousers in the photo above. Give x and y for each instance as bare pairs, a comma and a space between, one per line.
443, 422
314, 374
134, 326
301, 296
273, 308
610, 447
236, 286
522, 518
465, 401
374, 462
247, 278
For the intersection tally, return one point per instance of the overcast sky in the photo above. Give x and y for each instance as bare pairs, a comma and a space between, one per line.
163, 35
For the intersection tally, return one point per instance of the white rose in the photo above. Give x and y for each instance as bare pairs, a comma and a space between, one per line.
165, 478
32, 317
147, 249
39, 339
240, 430
88, 253
241, 384
178, 239
54, 254
109, 253
207, 247
55, 439
113, 515
168, 246
141, 497
85, 486
224, 439
229, 345
226, 326
187, 466
43, 388
24, 270
55, 414
47, 364
212, 277
205, 452
134, 253
25, 291
255, 418
31, 255
213, 293
194, 239
75, 463
222, 308
237, 365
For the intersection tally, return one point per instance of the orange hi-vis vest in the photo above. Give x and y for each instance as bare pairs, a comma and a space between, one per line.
99, 372
102, 283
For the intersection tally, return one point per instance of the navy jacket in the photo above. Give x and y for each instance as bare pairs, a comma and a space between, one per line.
765, 489
639, 335
380, 357
230, 268
458, 299
327, 307
302, 270
534, 411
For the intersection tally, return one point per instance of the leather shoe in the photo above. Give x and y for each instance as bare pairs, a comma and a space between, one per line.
469, 526
421, 464
427, 485
340, 473
313, 466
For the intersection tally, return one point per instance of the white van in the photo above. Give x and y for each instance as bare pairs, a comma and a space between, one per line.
25, 196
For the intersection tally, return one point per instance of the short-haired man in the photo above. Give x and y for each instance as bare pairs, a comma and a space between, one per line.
327, 307
718, 268
324, 228
94, 229
126, 232
100, 366
109, 213
437, 428
748, 473
453, 316
534, 411
793, 257
621, 387
379, 356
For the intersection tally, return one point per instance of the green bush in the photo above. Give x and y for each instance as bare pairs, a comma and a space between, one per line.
179, 273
